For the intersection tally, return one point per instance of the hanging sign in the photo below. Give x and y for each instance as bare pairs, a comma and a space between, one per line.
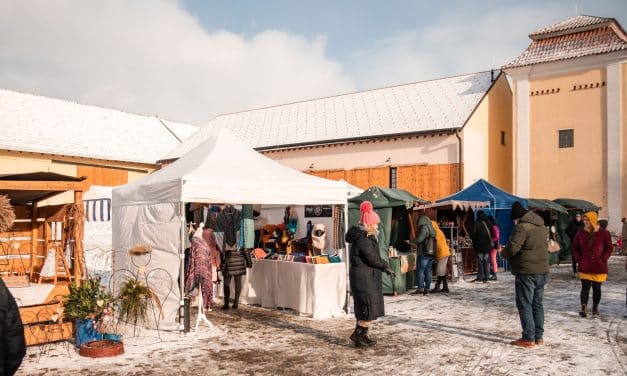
318, 211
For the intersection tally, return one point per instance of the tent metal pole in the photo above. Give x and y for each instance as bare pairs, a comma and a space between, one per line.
346, 262
182, 269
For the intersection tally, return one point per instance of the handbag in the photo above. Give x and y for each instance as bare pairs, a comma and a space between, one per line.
554, 246
492, 242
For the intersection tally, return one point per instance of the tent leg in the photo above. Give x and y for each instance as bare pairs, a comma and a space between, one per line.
347, 263
182, 270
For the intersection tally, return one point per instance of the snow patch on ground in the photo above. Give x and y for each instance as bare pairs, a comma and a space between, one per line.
466, 332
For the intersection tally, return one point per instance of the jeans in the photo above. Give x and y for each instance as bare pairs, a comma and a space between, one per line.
483, 266
529, 294
425, 264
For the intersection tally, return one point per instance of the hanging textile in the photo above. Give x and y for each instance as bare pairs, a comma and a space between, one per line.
248, 227
199, 273
338, 227
228, 222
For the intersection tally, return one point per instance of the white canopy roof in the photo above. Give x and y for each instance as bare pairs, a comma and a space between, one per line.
223, 169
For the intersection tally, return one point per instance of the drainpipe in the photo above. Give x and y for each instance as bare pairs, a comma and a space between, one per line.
460, 159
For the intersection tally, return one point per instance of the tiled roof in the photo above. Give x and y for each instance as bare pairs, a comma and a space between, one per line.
39, 124
426, 106
579, 22
577, 37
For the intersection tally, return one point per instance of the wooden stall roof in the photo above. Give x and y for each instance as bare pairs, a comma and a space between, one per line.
26, 188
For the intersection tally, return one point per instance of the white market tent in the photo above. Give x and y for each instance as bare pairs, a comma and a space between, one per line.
222, 169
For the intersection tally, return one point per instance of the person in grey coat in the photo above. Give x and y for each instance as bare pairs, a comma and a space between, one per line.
365, 270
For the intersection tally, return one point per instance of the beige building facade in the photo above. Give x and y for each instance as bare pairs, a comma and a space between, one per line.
570, 115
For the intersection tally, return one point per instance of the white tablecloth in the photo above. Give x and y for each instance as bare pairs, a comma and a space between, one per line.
317, 290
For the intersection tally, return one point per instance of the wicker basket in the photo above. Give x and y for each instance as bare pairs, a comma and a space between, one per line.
102, 348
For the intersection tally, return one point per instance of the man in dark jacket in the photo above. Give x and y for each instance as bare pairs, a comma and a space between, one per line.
482, 243
527, 252
573, 228
12, 344
425, 241
366, 266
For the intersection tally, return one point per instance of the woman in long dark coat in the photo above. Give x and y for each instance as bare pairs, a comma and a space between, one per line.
365, 274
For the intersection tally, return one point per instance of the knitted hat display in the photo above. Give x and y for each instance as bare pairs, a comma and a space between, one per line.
368, 215
518, 210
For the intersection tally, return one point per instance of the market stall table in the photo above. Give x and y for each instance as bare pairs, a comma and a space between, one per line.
317, 290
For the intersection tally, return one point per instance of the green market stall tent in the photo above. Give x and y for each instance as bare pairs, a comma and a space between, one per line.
389, 204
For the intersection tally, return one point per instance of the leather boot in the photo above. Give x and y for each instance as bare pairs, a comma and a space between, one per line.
369, 341
358, 337
436, 289
583, 312
595, 309
445, 285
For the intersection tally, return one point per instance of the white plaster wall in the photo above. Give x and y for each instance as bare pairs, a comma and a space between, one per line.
430, 149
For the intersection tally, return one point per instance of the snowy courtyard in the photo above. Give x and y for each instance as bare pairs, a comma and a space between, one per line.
466, 332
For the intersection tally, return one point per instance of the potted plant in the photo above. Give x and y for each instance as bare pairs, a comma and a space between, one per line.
85, 305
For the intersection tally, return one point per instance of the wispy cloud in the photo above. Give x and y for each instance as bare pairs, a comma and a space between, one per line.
153, 57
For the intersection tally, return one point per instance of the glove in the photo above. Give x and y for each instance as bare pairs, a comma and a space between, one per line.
389, 272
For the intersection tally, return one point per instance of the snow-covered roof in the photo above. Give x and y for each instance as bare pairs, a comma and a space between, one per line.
576, 37
426, 106
38, 124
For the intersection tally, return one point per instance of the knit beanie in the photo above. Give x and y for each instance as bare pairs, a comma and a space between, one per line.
368, 216
518, 210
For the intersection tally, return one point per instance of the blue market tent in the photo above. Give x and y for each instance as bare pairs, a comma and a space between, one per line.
500, 203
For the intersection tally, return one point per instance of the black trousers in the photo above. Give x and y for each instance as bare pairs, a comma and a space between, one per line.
585, 291
227, 288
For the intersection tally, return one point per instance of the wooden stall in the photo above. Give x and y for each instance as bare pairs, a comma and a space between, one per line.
40, 235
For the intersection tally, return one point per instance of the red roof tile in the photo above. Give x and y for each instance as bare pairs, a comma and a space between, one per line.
577, 37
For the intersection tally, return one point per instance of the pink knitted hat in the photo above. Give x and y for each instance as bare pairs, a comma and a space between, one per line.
368, 216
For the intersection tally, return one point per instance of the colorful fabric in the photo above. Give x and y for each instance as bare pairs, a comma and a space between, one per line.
228, 222
247, 234
200, 271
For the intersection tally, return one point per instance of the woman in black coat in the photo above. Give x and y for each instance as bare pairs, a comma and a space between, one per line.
366, 266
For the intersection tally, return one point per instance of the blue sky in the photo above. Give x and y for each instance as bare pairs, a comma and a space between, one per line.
190, 60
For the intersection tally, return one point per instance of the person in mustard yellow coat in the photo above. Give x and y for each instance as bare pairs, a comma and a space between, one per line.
442, 253
592, 247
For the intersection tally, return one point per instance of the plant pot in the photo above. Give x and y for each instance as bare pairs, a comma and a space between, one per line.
102, 348
84, 332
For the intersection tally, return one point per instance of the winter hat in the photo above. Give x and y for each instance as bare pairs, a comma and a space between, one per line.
368, 216
518, 210
593, 218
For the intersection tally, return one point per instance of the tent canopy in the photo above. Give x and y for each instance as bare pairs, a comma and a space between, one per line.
223, 169
500, 203
385, 198
544, 204
576, 204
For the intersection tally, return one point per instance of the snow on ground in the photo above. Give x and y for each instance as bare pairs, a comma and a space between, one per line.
467, 332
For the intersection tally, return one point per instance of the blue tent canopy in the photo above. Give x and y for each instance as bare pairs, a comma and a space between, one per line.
500, 203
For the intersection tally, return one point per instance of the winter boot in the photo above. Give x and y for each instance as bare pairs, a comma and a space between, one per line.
226, 304
418, 291
436, 289
445, 285
234, 305
358, 337
583, 312
595, 310
369, 341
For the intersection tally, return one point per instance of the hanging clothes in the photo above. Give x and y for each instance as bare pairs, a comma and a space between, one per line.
248, 227
200, 270
228, 222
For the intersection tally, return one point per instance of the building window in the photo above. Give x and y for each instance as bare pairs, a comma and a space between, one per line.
567, 138
503, 138
393, 177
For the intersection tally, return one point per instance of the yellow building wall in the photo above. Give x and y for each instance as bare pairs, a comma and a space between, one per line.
570, 101
484, 155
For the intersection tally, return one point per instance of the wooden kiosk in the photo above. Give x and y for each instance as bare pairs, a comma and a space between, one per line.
42, 234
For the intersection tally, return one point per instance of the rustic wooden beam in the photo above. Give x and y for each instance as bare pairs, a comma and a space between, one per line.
42, 185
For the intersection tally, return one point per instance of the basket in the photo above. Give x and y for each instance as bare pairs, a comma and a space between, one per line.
101, 349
